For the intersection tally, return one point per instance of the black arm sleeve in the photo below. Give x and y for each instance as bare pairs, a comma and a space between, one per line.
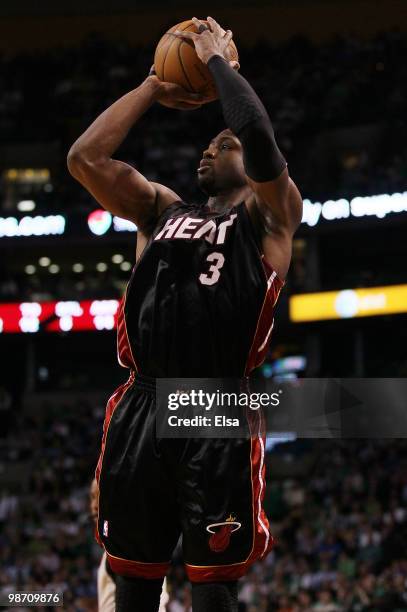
246, 116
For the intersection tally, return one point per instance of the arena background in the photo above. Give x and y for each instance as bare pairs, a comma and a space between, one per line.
333, 77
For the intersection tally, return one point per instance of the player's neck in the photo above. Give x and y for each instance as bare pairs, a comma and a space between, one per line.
223, 201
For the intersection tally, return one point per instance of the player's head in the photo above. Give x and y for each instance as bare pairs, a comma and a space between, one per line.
221, 168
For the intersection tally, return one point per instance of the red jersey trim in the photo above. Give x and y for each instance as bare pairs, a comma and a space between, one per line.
126, 567
265, 322
124, 352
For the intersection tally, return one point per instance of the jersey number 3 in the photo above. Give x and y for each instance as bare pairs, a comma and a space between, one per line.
212, 275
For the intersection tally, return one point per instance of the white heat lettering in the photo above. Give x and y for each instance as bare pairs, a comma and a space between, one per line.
223, 227
186, 228
193, 228
207, 231
168, 229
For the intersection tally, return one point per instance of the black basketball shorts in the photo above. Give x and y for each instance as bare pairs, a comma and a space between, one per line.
153, 490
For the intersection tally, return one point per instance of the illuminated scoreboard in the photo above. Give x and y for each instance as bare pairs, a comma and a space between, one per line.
62, 316
101, 222
348, 304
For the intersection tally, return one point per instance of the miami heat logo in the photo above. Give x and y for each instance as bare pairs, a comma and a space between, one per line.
221, 532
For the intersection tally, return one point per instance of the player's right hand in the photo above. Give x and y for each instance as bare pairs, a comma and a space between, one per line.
210, 40
174, 96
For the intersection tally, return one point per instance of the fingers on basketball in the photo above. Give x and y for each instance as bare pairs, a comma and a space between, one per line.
176, 61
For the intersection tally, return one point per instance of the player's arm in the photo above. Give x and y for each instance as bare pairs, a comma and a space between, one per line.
276, 205
117, 186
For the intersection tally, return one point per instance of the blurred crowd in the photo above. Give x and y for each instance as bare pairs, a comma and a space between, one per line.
341, 535
43, 287
338, 110
46, 534
341, 530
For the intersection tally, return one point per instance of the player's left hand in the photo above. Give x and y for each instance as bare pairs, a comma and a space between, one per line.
174, 96
210, 40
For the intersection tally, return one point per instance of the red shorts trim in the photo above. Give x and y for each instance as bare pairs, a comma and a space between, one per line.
126, 567
263, 541
215, 573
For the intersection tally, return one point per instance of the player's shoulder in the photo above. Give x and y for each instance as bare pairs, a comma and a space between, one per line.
166, 201
165, 197
262, 215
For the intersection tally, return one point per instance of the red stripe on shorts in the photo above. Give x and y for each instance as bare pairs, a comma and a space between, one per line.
126, 567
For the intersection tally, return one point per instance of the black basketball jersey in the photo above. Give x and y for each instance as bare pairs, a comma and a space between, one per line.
200, 301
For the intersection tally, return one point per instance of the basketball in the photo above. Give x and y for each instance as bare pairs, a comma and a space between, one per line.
176, 61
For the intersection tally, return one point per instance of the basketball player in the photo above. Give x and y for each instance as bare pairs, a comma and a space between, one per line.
199, 303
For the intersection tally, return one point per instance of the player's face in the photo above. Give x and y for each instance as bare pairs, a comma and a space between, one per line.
221, 168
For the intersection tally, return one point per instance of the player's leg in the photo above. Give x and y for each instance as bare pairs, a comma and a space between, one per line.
137, 594
214, 596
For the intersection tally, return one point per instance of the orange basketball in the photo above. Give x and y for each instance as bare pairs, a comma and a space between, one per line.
176, 61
